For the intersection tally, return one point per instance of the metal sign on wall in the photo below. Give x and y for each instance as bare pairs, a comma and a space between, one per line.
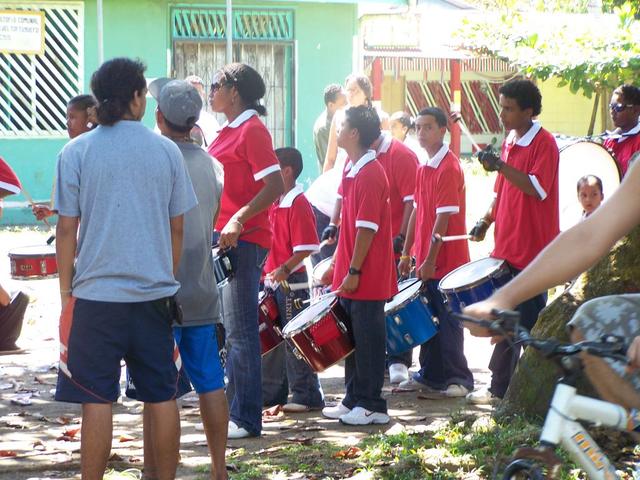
21, 32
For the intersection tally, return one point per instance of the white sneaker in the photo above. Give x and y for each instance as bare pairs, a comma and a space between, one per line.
454, 390
335, 412
237, 432
482, 397
362, 416
398, 372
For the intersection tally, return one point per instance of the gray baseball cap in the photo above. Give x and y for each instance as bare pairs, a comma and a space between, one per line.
178, 100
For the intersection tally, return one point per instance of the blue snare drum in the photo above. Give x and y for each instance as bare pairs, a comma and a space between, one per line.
474, 282
409, 318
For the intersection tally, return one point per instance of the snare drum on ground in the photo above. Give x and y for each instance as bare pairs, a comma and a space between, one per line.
474, 281
37, 261
268, 322
409, 319
319, 334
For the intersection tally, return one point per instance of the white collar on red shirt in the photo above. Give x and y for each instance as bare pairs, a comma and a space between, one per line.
621, 137
527, 138
370, 156
385, 142
290, 196
240, 119
434, 162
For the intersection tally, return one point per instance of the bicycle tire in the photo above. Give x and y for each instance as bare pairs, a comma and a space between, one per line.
521, 469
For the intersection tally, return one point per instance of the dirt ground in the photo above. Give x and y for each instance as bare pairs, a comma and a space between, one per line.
39, 437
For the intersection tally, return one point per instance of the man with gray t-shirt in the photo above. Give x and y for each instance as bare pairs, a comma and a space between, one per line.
179, 105
125, 189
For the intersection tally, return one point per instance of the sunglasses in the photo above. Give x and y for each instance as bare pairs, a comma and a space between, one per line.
618, 107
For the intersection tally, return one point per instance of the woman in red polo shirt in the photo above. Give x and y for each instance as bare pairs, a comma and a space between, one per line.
252, 182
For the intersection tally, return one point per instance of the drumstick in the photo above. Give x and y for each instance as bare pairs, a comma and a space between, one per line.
451, 238
30, 200
467, 133
317, 299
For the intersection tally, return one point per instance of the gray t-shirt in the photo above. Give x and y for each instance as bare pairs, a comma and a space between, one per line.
125, 183
198, 292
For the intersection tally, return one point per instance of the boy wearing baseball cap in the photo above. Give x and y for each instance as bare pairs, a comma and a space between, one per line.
179, 106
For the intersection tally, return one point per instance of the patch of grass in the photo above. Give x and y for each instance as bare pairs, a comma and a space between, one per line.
464, 447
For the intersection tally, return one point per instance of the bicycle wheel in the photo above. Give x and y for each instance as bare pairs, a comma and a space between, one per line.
521, 469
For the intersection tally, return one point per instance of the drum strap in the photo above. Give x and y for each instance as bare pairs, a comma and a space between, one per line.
298, 286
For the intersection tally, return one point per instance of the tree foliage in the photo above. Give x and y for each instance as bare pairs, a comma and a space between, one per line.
590, 53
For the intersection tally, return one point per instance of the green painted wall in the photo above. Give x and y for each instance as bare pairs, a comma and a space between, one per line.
324, 37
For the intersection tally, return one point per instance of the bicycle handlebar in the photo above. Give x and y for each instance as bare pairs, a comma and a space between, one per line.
507, 323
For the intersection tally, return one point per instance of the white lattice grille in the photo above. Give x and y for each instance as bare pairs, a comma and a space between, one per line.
34, 89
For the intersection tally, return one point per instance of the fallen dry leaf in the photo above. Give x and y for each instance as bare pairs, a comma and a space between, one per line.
8, 453
63, 420
114, 457
125, 438
69, 435
349, 453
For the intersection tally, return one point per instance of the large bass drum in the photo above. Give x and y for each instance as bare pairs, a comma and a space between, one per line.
579, 157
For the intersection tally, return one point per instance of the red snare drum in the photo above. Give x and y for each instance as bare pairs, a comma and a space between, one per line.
268, 322
37, 261
319, 334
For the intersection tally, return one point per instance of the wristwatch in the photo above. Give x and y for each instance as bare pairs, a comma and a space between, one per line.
353, 271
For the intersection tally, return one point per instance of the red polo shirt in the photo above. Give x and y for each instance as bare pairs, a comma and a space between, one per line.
623, 147
525, 224
294, 229
400, 164
365, 204
440, 189
245, 149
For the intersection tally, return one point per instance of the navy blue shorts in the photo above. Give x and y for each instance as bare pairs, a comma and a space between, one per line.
96, 336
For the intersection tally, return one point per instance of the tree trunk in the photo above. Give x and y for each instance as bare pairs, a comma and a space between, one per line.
534, 380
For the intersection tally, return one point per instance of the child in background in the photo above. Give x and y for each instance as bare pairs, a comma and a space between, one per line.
81, 117
590, 194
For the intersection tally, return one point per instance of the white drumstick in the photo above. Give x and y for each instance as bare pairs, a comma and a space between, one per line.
452, 238
467, 133
317, 299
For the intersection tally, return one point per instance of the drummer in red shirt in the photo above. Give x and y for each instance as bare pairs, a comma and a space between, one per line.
252, 182
364, 276
440, 208
624, 141
525, 209
293, 219
400, 165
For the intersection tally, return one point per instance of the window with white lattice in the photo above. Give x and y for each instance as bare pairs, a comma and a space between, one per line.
35, 89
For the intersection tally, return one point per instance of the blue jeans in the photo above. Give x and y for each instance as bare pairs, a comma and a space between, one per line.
364, 368
240, 313
281, 369
505, 358
442, 359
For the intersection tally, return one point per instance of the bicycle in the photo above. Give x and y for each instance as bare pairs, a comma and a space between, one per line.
567, 408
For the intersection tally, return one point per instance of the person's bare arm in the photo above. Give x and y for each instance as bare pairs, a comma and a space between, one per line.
364, 238
272, 189
66, 245
427, 270
5, 298
519, 179
404, 266
177, 231
332, 147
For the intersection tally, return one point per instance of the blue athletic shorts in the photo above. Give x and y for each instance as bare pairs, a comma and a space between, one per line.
199, 352
96, 336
